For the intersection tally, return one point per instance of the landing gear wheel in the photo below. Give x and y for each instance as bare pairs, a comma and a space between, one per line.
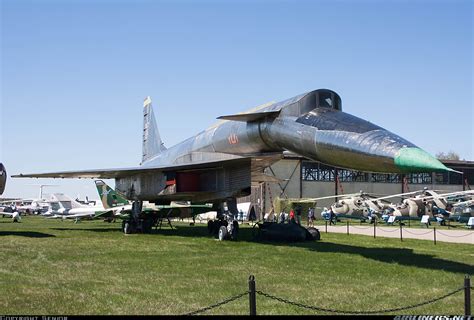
126, 227
314, 233
210, 226
222, 233
147, 225
256, 232
235, 230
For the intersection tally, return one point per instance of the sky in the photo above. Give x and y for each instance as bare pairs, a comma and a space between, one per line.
74, 74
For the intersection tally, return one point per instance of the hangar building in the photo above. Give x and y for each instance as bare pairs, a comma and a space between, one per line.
303, 178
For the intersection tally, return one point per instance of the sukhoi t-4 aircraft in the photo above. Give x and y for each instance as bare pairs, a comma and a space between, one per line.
220, 163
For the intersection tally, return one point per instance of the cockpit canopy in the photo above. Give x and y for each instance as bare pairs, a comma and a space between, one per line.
321, 98
326, 99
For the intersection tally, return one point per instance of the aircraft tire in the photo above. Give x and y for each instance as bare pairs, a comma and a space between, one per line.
256, 232
126, 227
222, 233
235, 230
210, 226
147, 225
315, 235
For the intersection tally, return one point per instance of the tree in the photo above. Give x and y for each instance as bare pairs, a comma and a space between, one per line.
451, 155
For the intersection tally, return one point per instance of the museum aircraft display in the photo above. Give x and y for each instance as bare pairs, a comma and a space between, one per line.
415, 204
119, 207
64, 207
220, 163
3, 178
15, 215
429, 202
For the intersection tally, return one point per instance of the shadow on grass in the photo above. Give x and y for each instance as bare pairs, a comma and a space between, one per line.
30, 234
89, 229
401, 256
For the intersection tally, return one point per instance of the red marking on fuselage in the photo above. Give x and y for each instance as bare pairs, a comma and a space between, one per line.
233, 139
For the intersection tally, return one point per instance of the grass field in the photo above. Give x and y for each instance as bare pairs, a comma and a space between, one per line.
58, 267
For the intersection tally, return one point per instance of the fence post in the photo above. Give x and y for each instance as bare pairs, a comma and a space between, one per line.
467, 295
375, 225
252, 296
401, 237
326, 226
347, 227
434, 234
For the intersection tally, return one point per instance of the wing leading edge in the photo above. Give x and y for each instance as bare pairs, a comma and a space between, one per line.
126, 172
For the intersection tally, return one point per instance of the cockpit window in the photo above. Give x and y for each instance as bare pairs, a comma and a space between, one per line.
55, 206
325, 100
328, 99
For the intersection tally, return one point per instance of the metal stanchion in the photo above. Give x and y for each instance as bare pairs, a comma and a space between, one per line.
347, 227
252, 296
401, 236
326, 226
467, 295
375, 225
434, 234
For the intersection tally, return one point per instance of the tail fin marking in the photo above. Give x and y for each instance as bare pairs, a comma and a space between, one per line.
152, 144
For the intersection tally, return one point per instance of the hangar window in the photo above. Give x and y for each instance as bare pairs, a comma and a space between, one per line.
469, 176
455, 178
386, 178
352, 176
314, 171
419, 178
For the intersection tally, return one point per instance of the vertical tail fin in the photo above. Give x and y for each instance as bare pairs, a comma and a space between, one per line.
152, 144
109, 197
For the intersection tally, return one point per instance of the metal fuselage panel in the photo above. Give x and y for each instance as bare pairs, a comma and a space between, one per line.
311, 125
196, 185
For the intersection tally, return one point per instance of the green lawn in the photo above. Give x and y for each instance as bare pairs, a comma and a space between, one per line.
58, 267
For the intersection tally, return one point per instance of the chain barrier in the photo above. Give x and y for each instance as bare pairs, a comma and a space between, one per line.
358, 312
218, 304
418, 234
451, 236
385, 230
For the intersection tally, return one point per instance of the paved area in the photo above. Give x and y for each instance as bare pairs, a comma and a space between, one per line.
457, 236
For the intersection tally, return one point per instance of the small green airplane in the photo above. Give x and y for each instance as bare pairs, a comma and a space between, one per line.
117, 206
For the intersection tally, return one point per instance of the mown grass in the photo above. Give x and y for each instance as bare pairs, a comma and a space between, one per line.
58, 267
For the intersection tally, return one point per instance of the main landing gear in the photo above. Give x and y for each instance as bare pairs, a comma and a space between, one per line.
137, 222
225, 226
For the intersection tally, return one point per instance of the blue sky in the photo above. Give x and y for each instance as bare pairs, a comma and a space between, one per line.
74, 73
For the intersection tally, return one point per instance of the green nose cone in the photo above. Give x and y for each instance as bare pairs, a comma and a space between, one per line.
417, 160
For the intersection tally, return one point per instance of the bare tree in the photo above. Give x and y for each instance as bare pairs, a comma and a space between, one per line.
451, 155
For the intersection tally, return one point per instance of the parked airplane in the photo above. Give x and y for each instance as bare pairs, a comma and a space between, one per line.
118, 206
355, 205
359, 205
219, 164
3, 178
425, 201
10, 211
64, 207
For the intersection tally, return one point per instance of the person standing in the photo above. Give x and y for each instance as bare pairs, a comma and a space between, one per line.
311, 217
282, 217
331, 217
298, 214
292, 216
